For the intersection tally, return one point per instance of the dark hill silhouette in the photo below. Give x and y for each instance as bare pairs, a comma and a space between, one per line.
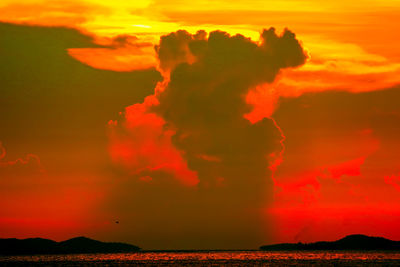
13, 246
350, 242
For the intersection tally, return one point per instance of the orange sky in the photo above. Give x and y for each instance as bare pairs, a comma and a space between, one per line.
352, 43
343, 37
352, 48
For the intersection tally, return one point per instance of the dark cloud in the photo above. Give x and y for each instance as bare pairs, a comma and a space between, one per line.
57, 108
203, 104
173, 48
54, 110
49, 99
205, 100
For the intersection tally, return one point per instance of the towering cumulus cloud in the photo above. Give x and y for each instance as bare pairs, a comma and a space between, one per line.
197, 116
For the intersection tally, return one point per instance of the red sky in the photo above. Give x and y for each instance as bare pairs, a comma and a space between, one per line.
198, 137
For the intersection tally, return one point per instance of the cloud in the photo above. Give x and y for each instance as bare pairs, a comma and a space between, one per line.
200, 109
19, 167
340, 165
51, 13
48, 95
55, 108
204, 101
121, 53
141, 145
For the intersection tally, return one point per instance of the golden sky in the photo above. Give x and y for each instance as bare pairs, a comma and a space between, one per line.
351, 43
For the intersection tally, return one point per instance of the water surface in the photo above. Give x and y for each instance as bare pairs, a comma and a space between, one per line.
212, 258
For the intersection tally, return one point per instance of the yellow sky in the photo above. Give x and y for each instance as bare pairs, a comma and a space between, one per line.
356, 40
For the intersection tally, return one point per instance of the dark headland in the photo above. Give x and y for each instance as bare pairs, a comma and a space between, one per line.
350, 242
32, 246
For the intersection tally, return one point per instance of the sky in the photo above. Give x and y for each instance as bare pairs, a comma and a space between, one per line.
209, 125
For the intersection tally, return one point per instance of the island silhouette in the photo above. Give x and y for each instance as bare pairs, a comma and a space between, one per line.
77, 245
350, 242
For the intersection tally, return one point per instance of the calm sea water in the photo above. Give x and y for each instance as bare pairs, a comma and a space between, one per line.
211, 258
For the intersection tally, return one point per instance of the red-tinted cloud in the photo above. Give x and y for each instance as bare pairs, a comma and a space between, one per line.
339, 167
193, 130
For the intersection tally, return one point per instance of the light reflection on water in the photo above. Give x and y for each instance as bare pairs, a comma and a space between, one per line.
212, 258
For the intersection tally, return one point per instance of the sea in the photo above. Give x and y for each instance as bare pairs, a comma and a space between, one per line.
212, 258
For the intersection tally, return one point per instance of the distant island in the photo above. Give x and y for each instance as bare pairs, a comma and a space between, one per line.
32, 246
350, 242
